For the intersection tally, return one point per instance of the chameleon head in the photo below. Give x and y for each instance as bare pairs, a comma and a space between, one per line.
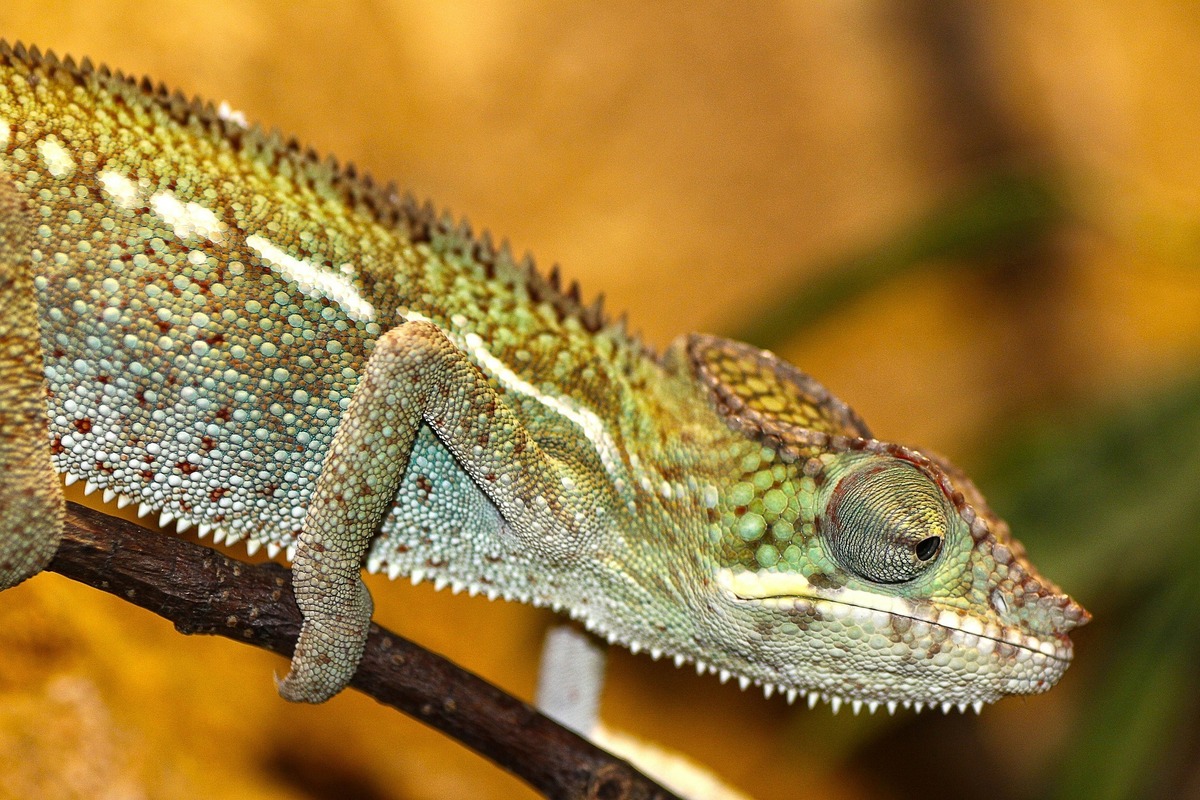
854, 569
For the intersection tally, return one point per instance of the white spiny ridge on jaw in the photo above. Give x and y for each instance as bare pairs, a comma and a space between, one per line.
790, 590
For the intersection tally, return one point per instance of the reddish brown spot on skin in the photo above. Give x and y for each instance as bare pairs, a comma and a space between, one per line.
186, 467
83, 425
141, 397
218, 493
824, 581
56, 446
224, 415
163, 326
424, 484
103, 379
207, 443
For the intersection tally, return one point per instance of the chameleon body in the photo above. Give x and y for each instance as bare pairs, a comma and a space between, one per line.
210, 322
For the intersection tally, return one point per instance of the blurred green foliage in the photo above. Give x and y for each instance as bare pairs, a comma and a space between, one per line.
1110, 503
1006, 211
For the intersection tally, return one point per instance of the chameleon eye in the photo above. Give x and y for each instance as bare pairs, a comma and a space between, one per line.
885, 522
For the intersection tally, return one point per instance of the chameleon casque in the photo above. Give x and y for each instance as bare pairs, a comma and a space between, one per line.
212, 323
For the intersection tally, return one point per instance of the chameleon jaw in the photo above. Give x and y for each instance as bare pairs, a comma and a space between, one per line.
789, 591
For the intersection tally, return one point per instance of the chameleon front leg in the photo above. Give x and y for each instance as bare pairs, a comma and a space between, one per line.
416, 375
31, 501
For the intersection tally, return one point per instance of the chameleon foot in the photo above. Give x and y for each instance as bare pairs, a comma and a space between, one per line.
331, 641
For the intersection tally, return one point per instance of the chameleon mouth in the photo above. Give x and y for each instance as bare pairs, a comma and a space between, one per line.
792, 592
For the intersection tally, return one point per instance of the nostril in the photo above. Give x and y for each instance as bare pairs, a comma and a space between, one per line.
999, 603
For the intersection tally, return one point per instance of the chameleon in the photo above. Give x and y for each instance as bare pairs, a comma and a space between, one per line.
214, 323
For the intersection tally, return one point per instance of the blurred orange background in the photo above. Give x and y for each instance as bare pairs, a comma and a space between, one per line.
1016, 187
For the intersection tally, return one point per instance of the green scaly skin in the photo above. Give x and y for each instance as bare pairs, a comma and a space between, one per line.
237, 335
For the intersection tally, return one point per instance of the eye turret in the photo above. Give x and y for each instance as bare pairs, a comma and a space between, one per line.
885, 522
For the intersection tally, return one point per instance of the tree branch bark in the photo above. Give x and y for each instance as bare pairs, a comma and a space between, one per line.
203, 591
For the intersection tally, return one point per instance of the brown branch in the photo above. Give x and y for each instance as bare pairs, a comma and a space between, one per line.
204, 591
